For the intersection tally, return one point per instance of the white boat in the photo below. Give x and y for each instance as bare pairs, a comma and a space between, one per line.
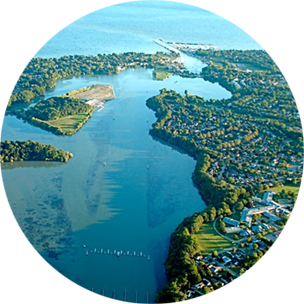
118, 254
104, 164
87, 253
148, 166
148, 258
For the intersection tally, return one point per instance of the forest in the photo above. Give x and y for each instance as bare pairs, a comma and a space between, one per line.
12, 151
57, 107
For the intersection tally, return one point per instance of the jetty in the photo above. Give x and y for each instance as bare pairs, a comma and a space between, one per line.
184, 46
118, 253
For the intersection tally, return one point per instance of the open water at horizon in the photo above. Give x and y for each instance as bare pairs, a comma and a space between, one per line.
53, 28
123, 205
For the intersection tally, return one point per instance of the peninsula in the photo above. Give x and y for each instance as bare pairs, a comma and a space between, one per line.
66, 114
249, 152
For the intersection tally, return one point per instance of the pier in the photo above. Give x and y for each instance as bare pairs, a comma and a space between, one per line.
117, 253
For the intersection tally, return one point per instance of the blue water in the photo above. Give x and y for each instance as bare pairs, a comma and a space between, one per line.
62, 27
123, 205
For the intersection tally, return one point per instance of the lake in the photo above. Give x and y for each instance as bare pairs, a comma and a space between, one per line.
122, 192
53, 28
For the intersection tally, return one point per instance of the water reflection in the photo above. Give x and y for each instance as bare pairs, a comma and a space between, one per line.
30, 164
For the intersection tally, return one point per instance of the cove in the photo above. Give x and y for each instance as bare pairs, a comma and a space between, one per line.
123, 191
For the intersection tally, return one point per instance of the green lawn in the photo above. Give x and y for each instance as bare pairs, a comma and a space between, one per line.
210, 240
291, 188
68, 123
161, 75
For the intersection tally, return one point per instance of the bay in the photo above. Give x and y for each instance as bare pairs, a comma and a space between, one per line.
123, 206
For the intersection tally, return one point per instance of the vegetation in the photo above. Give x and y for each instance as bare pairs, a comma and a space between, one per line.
209, 240
41, 73
161, 74
60, 115
31, 151
249, 143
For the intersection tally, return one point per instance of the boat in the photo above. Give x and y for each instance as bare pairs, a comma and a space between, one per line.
87, 253
148, 258
104, 164
118, 254
84, 246
113, 117
148, 166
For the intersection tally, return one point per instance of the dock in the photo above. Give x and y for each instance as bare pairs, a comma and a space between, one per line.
116, 253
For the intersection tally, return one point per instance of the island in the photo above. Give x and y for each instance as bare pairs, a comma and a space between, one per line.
12, 151
65, 115
249, 153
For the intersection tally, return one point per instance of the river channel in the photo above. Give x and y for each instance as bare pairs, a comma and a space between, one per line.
122, 192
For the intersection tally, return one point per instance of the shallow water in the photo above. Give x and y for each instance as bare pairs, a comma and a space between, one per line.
123, 205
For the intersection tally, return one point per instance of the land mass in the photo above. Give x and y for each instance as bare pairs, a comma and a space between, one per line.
245, 146
65, 115
12, 151
97, 92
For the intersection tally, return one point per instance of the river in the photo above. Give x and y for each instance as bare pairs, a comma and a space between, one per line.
123, 191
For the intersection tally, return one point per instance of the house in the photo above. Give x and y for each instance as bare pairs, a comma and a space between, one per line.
231, 221
226, 259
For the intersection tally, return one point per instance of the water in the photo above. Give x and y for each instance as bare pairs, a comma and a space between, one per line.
136, 201
123, 206
53, 28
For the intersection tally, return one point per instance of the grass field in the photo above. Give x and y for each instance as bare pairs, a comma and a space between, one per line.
68, 123
161, 75
291, 188
210, 240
